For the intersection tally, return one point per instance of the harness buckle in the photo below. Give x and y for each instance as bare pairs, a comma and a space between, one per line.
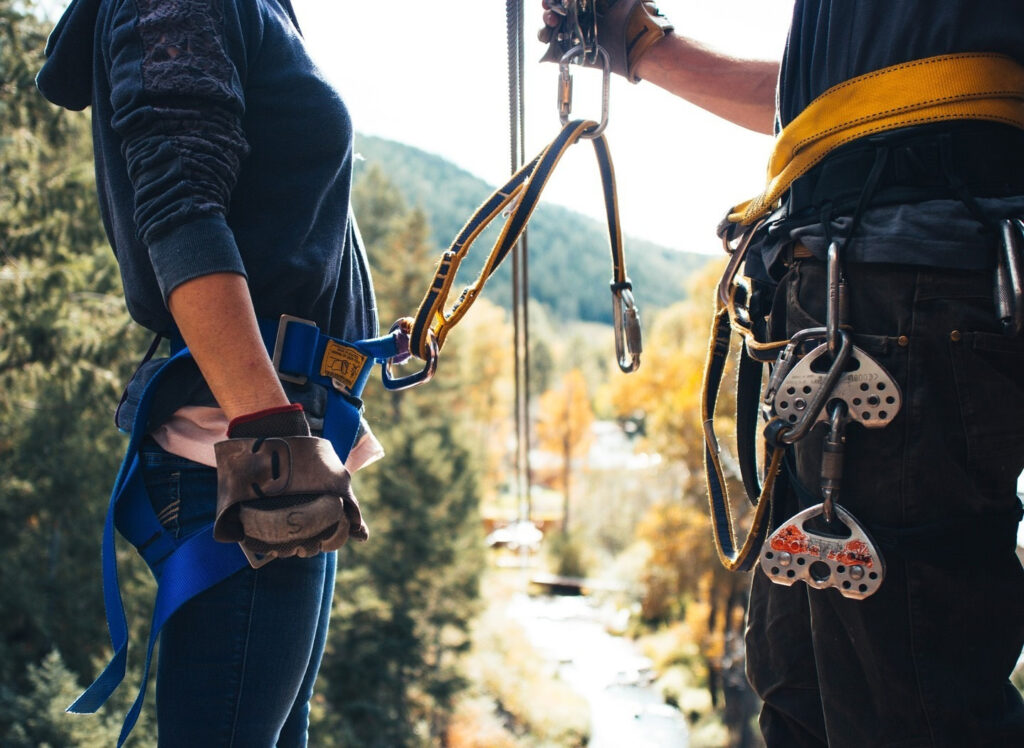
565, 87
628, 336
400, 331
282, 332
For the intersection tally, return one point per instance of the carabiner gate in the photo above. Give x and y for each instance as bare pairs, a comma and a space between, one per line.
628, 336
400, 330
565, 87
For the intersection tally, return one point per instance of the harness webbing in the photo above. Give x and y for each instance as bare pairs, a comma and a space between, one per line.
934, 89
736, 555
432, 321
947, 87
185, 568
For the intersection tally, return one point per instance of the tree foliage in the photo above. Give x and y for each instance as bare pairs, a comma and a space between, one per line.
682, 569
563, 428
569, 257
405, 600
66, 347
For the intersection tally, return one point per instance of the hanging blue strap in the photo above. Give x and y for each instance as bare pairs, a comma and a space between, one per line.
194, 565
185, 568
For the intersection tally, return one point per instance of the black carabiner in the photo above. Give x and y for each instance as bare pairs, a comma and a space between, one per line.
392, 383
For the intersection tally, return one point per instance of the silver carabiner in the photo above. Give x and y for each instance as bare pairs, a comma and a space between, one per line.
628, 335
820, 393
565, 87
1009, 296
392, 383
834, 311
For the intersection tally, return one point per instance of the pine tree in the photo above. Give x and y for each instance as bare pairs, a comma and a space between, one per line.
405, 599
66, 345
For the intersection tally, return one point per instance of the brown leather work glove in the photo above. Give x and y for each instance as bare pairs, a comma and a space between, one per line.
626, 29
282, 492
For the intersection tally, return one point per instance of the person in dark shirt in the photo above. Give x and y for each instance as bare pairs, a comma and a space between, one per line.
920, 214
224, 167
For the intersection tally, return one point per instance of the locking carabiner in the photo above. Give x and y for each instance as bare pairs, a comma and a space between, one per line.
821, 392
835, 312
565, 87
628, 335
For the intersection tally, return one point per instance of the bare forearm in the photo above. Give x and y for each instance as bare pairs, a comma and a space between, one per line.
741, 91
215, 316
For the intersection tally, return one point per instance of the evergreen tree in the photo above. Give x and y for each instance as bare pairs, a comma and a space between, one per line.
404, 600
66, 346
37, 716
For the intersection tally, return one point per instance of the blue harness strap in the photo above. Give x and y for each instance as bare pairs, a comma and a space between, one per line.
185, 568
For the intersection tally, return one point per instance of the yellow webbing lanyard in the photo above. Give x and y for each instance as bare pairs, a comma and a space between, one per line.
933, 89
428, 329
975, 86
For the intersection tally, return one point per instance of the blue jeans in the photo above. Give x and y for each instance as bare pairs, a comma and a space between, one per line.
925, 661
237, 663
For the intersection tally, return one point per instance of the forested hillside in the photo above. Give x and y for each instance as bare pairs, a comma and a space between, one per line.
569, 259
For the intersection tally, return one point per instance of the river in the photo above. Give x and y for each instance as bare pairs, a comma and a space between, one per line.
608, 671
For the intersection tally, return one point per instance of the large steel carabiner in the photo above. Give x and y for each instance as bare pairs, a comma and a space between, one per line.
565, 87
817, 394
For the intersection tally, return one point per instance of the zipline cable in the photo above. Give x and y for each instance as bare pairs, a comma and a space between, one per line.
520, 265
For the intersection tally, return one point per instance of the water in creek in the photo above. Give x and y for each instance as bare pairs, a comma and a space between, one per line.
607, 670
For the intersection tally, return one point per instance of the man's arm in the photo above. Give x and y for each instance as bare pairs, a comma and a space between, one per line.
215, 316
740, 91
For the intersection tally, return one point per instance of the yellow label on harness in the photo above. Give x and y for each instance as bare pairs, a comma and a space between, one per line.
342, 363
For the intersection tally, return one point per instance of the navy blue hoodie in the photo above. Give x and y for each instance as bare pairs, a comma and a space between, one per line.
219, 148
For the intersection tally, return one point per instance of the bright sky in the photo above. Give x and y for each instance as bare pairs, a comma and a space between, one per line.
433, 74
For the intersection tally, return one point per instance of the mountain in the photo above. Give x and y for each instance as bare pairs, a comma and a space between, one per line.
570, 265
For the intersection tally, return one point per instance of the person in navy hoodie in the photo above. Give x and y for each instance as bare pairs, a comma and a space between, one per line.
224, 165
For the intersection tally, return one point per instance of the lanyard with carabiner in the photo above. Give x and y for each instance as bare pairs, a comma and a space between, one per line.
423, 335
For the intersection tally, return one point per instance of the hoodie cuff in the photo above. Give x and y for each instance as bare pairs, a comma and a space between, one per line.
201, 247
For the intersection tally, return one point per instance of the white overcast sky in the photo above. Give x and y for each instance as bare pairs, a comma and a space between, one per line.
433, 74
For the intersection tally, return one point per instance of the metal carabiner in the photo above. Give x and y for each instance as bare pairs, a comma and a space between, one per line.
822, 393
835, 311
565, 87
784, 364
400, 331
1009, 295
628, 336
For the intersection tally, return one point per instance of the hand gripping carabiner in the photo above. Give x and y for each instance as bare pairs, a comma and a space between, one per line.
400, 330
628, 336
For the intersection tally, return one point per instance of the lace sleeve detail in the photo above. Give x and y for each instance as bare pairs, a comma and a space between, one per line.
178, 104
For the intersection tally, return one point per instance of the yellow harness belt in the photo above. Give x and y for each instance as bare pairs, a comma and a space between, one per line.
935, 89
973, 86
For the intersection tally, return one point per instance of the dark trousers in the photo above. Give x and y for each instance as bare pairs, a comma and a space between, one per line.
925, 661
237, 662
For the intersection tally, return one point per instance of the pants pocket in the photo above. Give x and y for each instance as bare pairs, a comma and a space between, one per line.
987, 369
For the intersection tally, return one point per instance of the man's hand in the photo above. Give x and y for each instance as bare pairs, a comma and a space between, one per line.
626, 30
282, 492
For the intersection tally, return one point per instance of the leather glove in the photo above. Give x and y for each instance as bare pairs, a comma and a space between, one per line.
280, 491
626, 29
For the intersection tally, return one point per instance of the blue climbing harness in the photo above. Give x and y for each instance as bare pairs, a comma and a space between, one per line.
183, 568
